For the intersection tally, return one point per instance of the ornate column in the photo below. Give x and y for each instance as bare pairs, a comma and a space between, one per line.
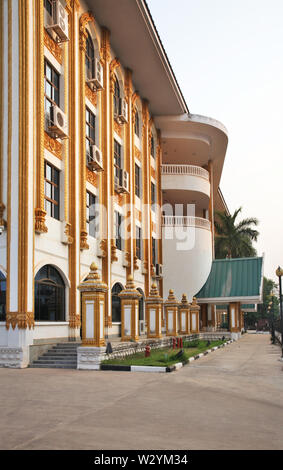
171, 306
21, 125
184, 316
234, 317
93, 292
194, 316
130, 311
154, 312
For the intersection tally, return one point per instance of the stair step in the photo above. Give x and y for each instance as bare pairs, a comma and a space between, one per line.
60, 356
54, 366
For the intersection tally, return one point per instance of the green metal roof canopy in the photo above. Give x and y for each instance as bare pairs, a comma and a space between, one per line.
233, 280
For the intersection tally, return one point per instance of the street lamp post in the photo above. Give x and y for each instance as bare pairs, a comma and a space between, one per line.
279, 273
271, 314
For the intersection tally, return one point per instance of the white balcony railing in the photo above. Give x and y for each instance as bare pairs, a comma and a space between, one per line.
191, 170
187, 221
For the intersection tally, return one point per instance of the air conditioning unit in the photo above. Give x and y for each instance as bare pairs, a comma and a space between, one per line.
97, 79
159, 270
59, 22
125, 182
94, 161
57, 125
123, 116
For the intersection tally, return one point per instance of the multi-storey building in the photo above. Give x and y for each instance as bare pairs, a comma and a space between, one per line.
100, 160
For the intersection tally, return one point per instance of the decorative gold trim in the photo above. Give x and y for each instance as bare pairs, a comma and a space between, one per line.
91, 177
40, 226
53, 47
40, 213
2, 220
83, 240
72, 107
67, 232
85, 18
114, 256
91, 95
21, 320
53, 146
75, 321
138, 154
118, 128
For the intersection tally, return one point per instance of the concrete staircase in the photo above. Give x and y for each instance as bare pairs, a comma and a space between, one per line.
61, 356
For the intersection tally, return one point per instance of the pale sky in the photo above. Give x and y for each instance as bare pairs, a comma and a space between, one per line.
227, 56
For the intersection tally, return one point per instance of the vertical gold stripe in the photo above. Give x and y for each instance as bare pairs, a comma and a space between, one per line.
72, 206
40, 113
23, 154
9, 153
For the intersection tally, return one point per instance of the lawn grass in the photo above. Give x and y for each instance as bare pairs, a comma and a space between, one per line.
164, 357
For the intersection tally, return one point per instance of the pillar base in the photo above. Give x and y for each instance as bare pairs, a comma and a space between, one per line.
89, 358
14, 358
235, 336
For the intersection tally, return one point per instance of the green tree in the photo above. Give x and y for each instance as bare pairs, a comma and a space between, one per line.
234, 240
270, 299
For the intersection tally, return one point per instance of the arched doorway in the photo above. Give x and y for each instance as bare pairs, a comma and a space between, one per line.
2, 297
116, 305
49, 299
141, 313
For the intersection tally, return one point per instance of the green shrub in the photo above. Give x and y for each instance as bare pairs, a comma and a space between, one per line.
191, 344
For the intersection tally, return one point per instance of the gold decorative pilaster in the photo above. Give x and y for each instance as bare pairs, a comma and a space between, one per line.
84, 20
146, 194
40, 213
71, 164
93, 292
154, 304
130, 311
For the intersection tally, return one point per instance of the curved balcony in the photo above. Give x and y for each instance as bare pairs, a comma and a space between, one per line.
185, 178
187, 221
187, 254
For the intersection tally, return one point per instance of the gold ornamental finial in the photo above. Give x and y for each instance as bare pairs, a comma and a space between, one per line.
171, 296
154, 291
93, 271
184, 299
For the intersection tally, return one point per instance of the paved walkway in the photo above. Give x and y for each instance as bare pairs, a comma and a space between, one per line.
230, 399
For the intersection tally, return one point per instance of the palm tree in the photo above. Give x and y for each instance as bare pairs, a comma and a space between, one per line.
234, 240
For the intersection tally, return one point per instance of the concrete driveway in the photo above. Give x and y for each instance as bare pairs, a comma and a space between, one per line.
230, 399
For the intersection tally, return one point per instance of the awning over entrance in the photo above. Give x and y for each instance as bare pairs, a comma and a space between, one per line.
233, 280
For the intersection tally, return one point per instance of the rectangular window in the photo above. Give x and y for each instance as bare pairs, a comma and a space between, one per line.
154, 251
117, 160
89, 132
137, 180
138, 242
91, 214
51, 88
153, 196
118, 236
51, 190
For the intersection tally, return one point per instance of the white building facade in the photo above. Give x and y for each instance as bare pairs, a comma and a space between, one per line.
100, 161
